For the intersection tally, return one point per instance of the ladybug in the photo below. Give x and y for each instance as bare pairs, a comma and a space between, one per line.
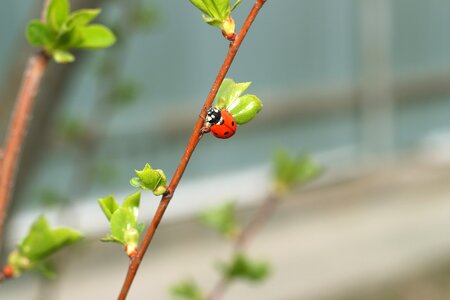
221, 122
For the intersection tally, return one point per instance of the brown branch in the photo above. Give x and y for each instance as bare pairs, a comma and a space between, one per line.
192, 144
18, 128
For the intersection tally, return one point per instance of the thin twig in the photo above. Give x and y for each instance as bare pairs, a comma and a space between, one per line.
18, 128
219, 289
265, 210
192, 144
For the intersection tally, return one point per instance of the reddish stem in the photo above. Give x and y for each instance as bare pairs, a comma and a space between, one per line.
192, 144
18, 128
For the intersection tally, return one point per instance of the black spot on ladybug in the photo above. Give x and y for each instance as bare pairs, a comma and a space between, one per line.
226, 133
232, 123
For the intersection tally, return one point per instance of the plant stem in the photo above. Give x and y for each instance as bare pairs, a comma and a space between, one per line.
264, 212
37, 65
219, 289
192, 144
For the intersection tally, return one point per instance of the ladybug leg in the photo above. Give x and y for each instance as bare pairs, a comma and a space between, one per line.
204, 129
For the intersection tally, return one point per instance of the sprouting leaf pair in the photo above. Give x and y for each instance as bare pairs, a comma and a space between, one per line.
123, 223
62, 31
40, 242
217, 13
243, 108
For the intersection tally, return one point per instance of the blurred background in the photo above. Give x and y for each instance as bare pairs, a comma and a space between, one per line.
361, 85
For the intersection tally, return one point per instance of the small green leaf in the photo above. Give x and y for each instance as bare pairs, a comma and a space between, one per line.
96, 36
290, 171
81, 17
140, 227
214, 11
43, 241
109, 206
150, 179
212, 21
46, 269
124, 92
244, 108
57, 13
236, 4
230, 91
132, 203
38, 33
122, 220
222, 219
187, 290
241, 267
63, 57
220, 9
202, 6
68, 39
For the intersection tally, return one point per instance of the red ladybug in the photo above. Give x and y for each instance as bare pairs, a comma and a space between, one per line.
222, 123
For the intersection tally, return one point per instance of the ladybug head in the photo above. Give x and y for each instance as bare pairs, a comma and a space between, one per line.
213, 116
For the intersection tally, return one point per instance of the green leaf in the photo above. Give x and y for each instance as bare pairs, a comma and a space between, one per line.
220, 9
96, 36
290, 171
244, 108
236, 4
57, 13
202, 6
230, 91
212, 21
124, 92
109, 206
132, 203
81, 17
122, 220
217, 10
150, 179
241, 267
187, 290
63, 57
38, 34
222, 219
68, 39
43, 241
46, 269
140, 227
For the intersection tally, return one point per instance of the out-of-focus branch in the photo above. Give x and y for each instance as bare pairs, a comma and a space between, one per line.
37, 65
262, 215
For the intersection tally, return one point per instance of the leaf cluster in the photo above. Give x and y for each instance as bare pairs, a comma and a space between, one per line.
291, 171
124, 227
62, 31
243, 108
150, 179
40, 242
242, 267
